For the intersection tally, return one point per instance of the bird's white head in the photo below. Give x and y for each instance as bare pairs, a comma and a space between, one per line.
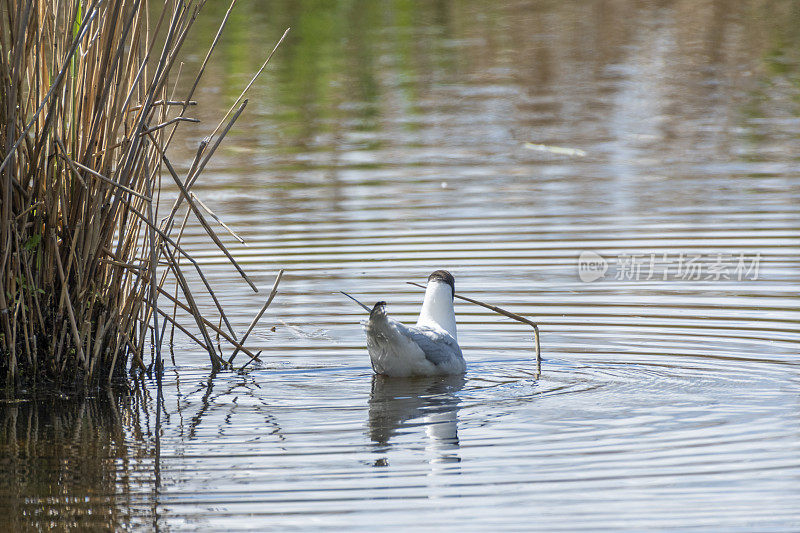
437, 308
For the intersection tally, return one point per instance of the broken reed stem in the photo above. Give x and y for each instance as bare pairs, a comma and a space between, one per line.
509, 314
206, 226
215, 217
168, 123
272, 294
100, 176
162, 103
88, 111
210, 325
252, 80
196, 169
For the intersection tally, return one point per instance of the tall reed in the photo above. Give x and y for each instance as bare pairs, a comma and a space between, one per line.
86, 242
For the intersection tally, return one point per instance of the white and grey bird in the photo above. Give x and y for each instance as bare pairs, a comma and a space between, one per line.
429, 348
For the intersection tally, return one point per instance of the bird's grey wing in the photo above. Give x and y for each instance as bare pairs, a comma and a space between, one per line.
438, 347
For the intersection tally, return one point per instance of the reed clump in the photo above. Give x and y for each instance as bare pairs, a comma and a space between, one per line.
88, 237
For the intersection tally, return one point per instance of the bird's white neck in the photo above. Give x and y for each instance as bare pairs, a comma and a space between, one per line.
437, 308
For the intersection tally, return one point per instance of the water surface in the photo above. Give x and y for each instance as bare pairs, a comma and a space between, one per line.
389, 140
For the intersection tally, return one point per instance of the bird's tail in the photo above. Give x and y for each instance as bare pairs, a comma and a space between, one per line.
367, 309
378, 310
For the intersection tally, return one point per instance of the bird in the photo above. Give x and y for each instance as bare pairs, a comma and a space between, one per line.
429, 348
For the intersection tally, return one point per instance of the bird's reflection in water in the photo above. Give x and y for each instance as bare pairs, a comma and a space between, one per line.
423, 402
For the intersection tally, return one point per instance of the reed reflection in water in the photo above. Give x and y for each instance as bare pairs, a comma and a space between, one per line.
78, 464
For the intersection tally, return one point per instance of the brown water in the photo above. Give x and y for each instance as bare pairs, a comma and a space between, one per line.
388, 140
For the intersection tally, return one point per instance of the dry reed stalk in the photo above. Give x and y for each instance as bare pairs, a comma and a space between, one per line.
509, 314
88, 116
271, 297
